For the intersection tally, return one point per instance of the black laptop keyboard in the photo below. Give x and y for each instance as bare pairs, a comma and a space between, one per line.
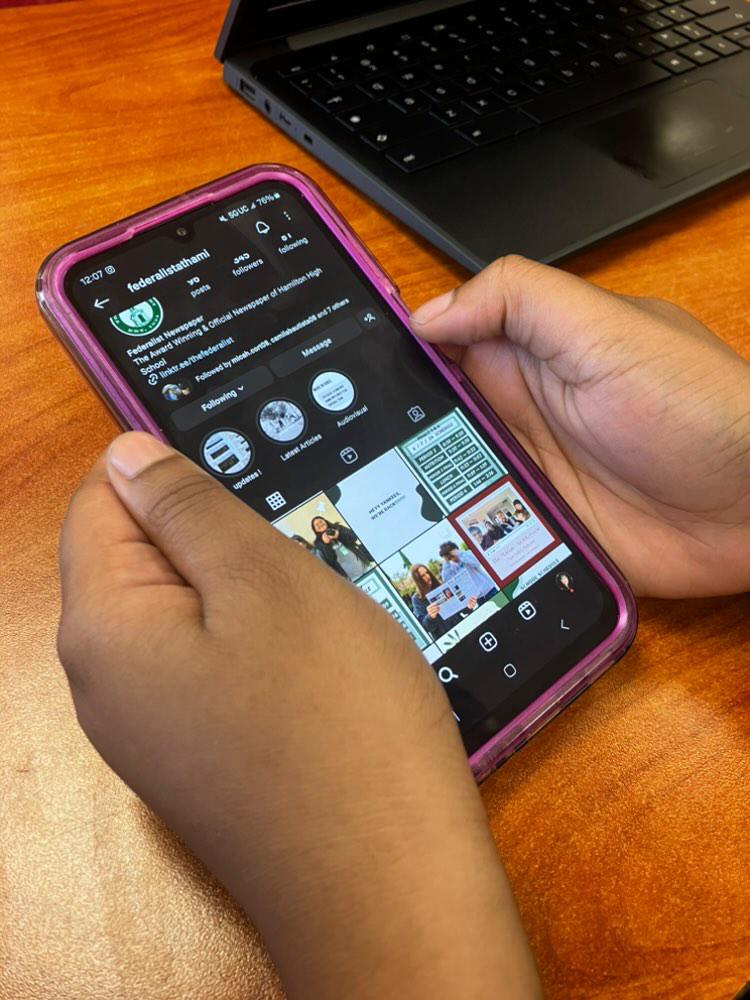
440, 85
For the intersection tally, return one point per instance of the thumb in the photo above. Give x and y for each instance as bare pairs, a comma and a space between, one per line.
198, 525
542, 309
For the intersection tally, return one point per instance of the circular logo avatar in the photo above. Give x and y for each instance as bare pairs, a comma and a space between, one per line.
141, 319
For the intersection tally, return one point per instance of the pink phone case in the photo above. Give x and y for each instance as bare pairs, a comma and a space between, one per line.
130, 413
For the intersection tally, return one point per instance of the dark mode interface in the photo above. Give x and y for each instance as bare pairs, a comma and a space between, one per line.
268, 358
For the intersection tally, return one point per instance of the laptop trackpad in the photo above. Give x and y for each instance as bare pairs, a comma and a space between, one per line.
676, 135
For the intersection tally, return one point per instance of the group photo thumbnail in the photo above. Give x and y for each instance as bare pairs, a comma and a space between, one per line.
439, 580
320, 529
504, 530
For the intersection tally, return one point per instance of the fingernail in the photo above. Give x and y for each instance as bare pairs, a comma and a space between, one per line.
131, 453
429, 310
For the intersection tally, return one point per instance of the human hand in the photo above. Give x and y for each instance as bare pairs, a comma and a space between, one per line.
433, 610
317, 772
638, 414
471, 603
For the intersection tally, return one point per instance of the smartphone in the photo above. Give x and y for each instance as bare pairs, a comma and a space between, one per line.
247, 325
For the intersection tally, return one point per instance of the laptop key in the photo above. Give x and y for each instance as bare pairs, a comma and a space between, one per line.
595, 64
411, 77
473, 83
703, 7
383, 136
669, 39
722, 45
546, 84
674, 63
609, 85
655, 22
454, 114
379, 115
692, 31
306, 84
493, 128
621, 57
633, 29
514, 93
377, 87
442, 92
335, 75
741, 36
409, 102
676, 14
426, 151
571, 74
698, 53
341, 100
485, 104
646, 47
717, 24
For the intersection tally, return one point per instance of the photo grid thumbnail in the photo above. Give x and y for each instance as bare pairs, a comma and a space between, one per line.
434, 530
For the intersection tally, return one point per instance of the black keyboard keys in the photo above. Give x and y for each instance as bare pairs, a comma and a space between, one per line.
692, 31
728, 19
381, 125
674, 63
425, 151
495, 127
613, 84
341, 100
700, 8
698, 53
722, 46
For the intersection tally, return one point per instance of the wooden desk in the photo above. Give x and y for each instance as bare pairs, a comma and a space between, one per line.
625, 826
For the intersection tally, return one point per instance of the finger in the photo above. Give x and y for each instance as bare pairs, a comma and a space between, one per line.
102, 548
202, 530
540, 308
112, 579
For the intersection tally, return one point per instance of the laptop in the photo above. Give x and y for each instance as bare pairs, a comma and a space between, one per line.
527, 126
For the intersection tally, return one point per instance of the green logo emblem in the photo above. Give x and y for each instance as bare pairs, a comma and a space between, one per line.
141, 319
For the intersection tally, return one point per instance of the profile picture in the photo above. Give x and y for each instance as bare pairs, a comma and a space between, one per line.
281, 420
175, 391
565, 582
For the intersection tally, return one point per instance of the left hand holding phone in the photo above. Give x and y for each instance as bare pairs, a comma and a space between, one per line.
329, 792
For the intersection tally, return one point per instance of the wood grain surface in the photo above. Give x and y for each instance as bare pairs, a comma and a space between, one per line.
625, 825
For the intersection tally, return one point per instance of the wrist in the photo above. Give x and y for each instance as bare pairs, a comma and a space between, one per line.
407, 898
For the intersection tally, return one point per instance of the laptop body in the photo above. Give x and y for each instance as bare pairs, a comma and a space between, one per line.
528, 126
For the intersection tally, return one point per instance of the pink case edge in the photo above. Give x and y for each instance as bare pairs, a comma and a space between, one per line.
129, 412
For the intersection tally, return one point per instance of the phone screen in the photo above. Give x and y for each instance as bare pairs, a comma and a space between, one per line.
268, 357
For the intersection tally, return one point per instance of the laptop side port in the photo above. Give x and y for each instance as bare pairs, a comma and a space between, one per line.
247, 89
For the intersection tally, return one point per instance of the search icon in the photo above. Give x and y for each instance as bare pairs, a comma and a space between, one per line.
446, 675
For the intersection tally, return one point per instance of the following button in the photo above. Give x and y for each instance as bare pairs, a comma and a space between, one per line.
221, 398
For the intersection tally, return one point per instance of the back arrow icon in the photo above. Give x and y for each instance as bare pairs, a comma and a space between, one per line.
563, 626
100, 303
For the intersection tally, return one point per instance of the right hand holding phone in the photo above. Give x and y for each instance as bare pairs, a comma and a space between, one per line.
636, 412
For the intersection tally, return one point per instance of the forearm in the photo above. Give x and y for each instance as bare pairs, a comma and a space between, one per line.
400, 894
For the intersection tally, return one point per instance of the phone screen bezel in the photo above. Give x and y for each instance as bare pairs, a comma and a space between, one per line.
91, 356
